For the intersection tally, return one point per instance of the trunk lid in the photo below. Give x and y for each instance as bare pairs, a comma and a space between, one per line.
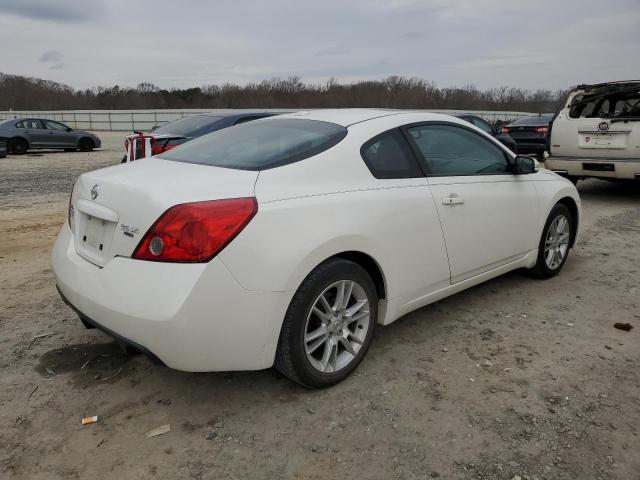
115, 206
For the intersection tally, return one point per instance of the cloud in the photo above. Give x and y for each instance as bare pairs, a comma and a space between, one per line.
53, 58
61, 11
486, 43
332, 51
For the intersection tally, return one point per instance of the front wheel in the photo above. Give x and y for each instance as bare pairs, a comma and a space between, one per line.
555, 243
329, 325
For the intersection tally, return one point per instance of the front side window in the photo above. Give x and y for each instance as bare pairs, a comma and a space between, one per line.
260, 145
51, 125
388, 155
456, 151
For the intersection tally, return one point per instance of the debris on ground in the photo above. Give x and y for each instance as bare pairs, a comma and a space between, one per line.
90, 420
623, 326
161, 430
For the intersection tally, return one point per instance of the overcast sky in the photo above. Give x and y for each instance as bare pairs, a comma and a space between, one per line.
488, 43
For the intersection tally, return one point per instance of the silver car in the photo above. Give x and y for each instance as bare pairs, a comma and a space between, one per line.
23, 134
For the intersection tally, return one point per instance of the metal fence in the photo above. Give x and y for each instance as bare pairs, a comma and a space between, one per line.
144, 120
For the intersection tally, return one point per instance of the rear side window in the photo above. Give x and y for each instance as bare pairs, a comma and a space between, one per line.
29, 123
388, 155
260, 145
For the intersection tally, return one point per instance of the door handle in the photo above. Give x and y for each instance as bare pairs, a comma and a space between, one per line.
452, 200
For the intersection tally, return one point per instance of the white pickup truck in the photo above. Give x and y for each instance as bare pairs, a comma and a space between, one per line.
596, 132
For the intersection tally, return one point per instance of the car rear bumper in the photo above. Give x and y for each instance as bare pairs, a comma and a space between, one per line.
526, 146
192, 317
628, 169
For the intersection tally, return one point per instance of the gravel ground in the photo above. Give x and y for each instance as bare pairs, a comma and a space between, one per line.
513, 378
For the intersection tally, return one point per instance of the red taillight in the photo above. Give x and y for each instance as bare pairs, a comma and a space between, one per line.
195, 232
506, 130
158, 149
541, 130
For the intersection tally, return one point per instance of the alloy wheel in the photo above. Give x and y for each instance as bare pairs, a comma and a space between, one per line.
337, 326
557, 242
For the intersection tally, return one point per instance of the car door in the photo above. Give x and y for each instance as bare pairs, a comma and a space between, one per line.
33, 130
59, 135
488, 215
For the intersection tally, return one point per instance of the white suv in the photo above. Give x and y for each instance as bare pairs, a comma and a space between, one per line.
596, 132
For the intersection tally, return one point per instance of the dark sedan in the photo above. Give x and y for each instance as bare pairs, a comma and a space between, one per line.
479, 122
175, 133
530, 133
23, 134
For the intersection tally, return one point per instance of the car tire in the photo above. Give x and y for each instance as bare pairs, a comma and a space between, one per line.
86, 145
18, 146
310, 334
555, 243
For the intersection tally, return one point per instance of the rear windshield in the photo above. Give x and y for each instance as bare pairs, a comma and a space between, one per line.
260, 145
618, 104
534, 121
192, 126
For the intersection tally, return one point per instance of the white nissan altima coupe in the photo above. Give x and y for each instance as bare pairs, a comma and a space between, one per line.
284, 241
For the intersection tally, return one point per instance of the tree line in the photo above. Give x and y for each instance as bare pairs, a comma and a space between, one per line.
24, 93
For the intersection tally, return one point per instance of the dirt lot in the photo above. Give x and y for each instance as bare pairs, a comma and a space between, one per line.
516, 377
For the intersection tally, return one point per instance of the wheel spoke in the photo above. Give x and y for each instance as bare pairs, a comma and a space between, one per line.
347, 346
353, 309
315, 345
333, 358
318, 332
563, 238
355, 339
326, 305
356, 317
339, 296
549, 258
347, 294
320, 314
328, 348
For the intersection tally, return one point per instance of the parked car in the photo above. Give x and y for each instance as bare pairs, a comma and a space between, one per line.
24, 134
482, 124
175, 133
285, 241
596, 132
530, 133
3, 148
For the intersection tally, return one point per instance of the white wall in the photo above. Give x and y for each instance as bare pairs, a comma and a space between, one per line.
144, 120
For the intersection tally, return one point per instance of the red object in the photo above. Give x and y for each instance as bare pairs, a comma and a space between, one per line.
541, 130
157, 149
195, 232
506, 130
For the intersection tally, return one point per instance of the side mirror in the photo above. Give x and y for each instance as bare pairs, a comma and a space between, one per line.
69, 129
524, 165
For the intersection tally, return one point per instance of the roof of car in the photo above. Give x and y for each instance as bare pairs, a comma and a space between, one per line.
342, 116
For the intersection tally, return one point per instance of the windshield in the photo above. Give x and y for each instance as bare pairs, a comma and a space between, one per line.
191, 126
261, 144
533, 121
